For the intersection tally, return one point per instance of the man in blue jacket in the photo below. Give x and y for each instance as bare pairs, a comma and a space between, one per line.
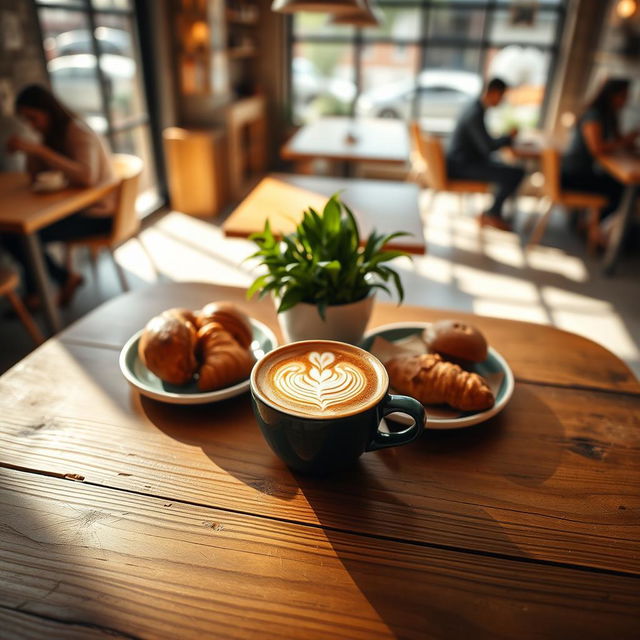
471, 148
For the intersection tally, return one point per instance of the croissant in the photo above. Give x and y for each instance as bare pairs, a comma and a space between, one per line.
230, 317
224, 361
431, 380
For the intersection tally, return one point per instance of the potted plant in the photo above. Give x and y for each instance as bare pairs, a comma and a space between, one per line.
322, 277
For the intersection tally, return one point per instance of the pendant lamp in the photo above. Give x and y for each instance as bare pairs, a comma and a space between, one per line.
325, 6
365, 17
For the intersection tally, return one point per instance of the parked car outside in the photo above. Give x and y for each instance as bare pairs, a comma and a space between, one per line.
440, 96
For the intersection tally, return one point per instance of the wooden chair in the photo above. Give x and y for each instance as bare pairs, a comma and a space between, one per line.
125, 220
554, 195
8, 284
427, 152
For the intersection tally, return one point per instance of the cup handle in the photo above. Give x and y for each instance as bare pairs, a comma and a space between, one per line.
401, 404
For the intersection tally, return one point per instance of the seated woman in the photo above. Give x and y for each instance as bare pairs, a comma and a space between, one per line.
70, 146
596, 133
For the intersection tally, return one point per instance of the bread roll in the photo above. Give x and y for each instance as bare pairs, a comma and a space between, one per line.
167, 347
456, 339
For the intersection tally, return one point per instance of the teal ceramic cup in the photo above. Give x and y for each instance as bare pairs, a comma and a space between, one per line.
319, 405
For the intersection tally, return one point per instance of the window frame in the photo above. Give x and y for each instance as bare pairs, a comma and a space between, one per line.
425, 43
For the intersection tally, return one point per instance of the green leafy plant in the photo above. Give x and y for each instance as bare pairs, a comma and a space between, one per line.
322, 262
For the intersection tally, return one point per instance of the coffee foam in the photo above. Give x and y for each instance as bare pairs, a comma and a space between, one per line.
320, 379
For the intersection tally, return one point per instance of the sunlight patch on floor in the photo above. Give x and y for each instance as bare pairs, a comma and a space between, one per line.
500, 309
557, 261
495, 286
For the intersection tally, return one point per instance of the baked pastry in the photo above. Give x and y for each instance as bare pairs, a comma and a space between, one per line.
224, 361
230, 317
456, 340
430, 380
167, 347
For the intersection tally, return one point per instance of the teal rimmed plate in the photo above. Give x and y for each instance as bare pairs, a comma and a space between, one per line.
148, 384
494, 363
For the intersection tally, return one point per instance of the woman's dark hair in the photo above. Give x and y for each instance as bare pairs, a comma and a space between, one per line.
35, 96
610, 88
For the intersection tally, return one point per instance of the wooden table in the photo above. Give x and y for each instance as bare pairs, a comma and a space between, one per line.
378, 140
383, 205
624, 167
125, 517
25, 212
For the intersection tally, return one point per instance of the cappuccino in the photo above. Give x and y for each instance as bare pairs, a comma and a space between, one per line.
320, 379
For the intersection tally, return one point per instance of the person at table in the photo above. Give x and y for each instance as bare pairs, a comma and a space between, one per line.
470, 153
597, 132
67, 145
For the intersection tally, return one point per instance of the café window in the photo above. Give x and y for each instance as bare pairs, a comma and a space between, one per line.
93, 61
426, 60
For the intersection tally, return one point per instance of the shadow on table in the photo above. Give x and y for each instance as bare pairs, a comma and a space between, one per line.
426, 501
231, 440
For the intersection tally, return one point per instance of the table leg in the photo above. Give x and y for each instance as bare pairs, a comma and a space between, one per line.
36, 263
619, 230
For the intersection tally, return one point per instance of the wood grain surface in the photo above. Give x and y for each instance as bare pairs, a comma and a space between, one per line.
24, 211
536, 353
282, 199
126, 517
553, 477
139, 566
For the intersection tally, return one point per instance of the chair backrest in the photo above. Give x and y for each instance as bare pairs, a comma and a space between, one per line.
551, 173
416, 157
430, 150
125, 221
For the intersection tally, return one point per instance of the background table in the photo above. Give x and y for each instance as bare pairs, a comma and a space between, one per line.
378, 140
25, 212
625, 167
130, 518
384, 205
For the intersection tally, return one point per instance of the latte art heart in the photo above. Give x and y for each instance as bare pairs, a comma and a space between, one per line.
318, 380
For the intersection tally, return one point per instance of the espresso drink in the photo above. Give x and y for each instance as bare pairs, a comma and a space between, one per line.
320, 379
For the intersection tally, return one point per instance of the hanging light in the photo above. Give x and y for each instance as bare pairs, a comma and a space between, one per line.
325, 6
627, 8
365, 17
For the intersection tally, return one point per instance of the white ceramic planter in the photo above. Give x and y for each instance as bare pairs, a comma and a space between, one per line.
343, 322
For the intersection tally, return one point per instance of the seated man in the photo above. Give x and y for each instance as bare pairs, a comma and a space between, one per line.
469, 155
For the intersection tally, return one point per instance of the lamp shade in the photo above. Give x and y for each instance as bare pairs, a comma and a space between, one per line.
364, 17
325, 6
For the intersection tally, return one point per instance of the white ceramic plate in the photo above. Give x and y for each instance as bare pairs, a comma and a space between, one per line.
494, 363
148, 384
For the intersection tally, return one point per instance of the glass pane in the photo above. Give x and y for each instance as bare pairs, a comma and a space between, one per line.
538, 27
388, 80
322, 76
125, 94
137, 141
317, 24
111, 4
72, 70
403, 24
71, 3
456, 23
525, 70
448, 82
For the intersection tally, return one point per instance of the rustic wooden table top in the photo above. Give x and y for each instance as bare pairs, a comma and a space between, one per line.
374, 140
625, 167
125, 517
384, 205
25, 211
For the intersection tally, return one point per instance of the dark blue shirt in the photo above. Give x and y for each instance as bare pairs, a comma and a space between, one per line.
471, 142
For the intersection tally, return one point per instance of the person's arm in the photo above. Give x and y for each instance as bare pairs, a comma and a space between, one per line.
597, 145
77, 172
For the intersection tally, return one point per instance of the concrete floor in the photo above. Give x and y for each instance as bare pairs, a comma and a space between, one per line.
483, 272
